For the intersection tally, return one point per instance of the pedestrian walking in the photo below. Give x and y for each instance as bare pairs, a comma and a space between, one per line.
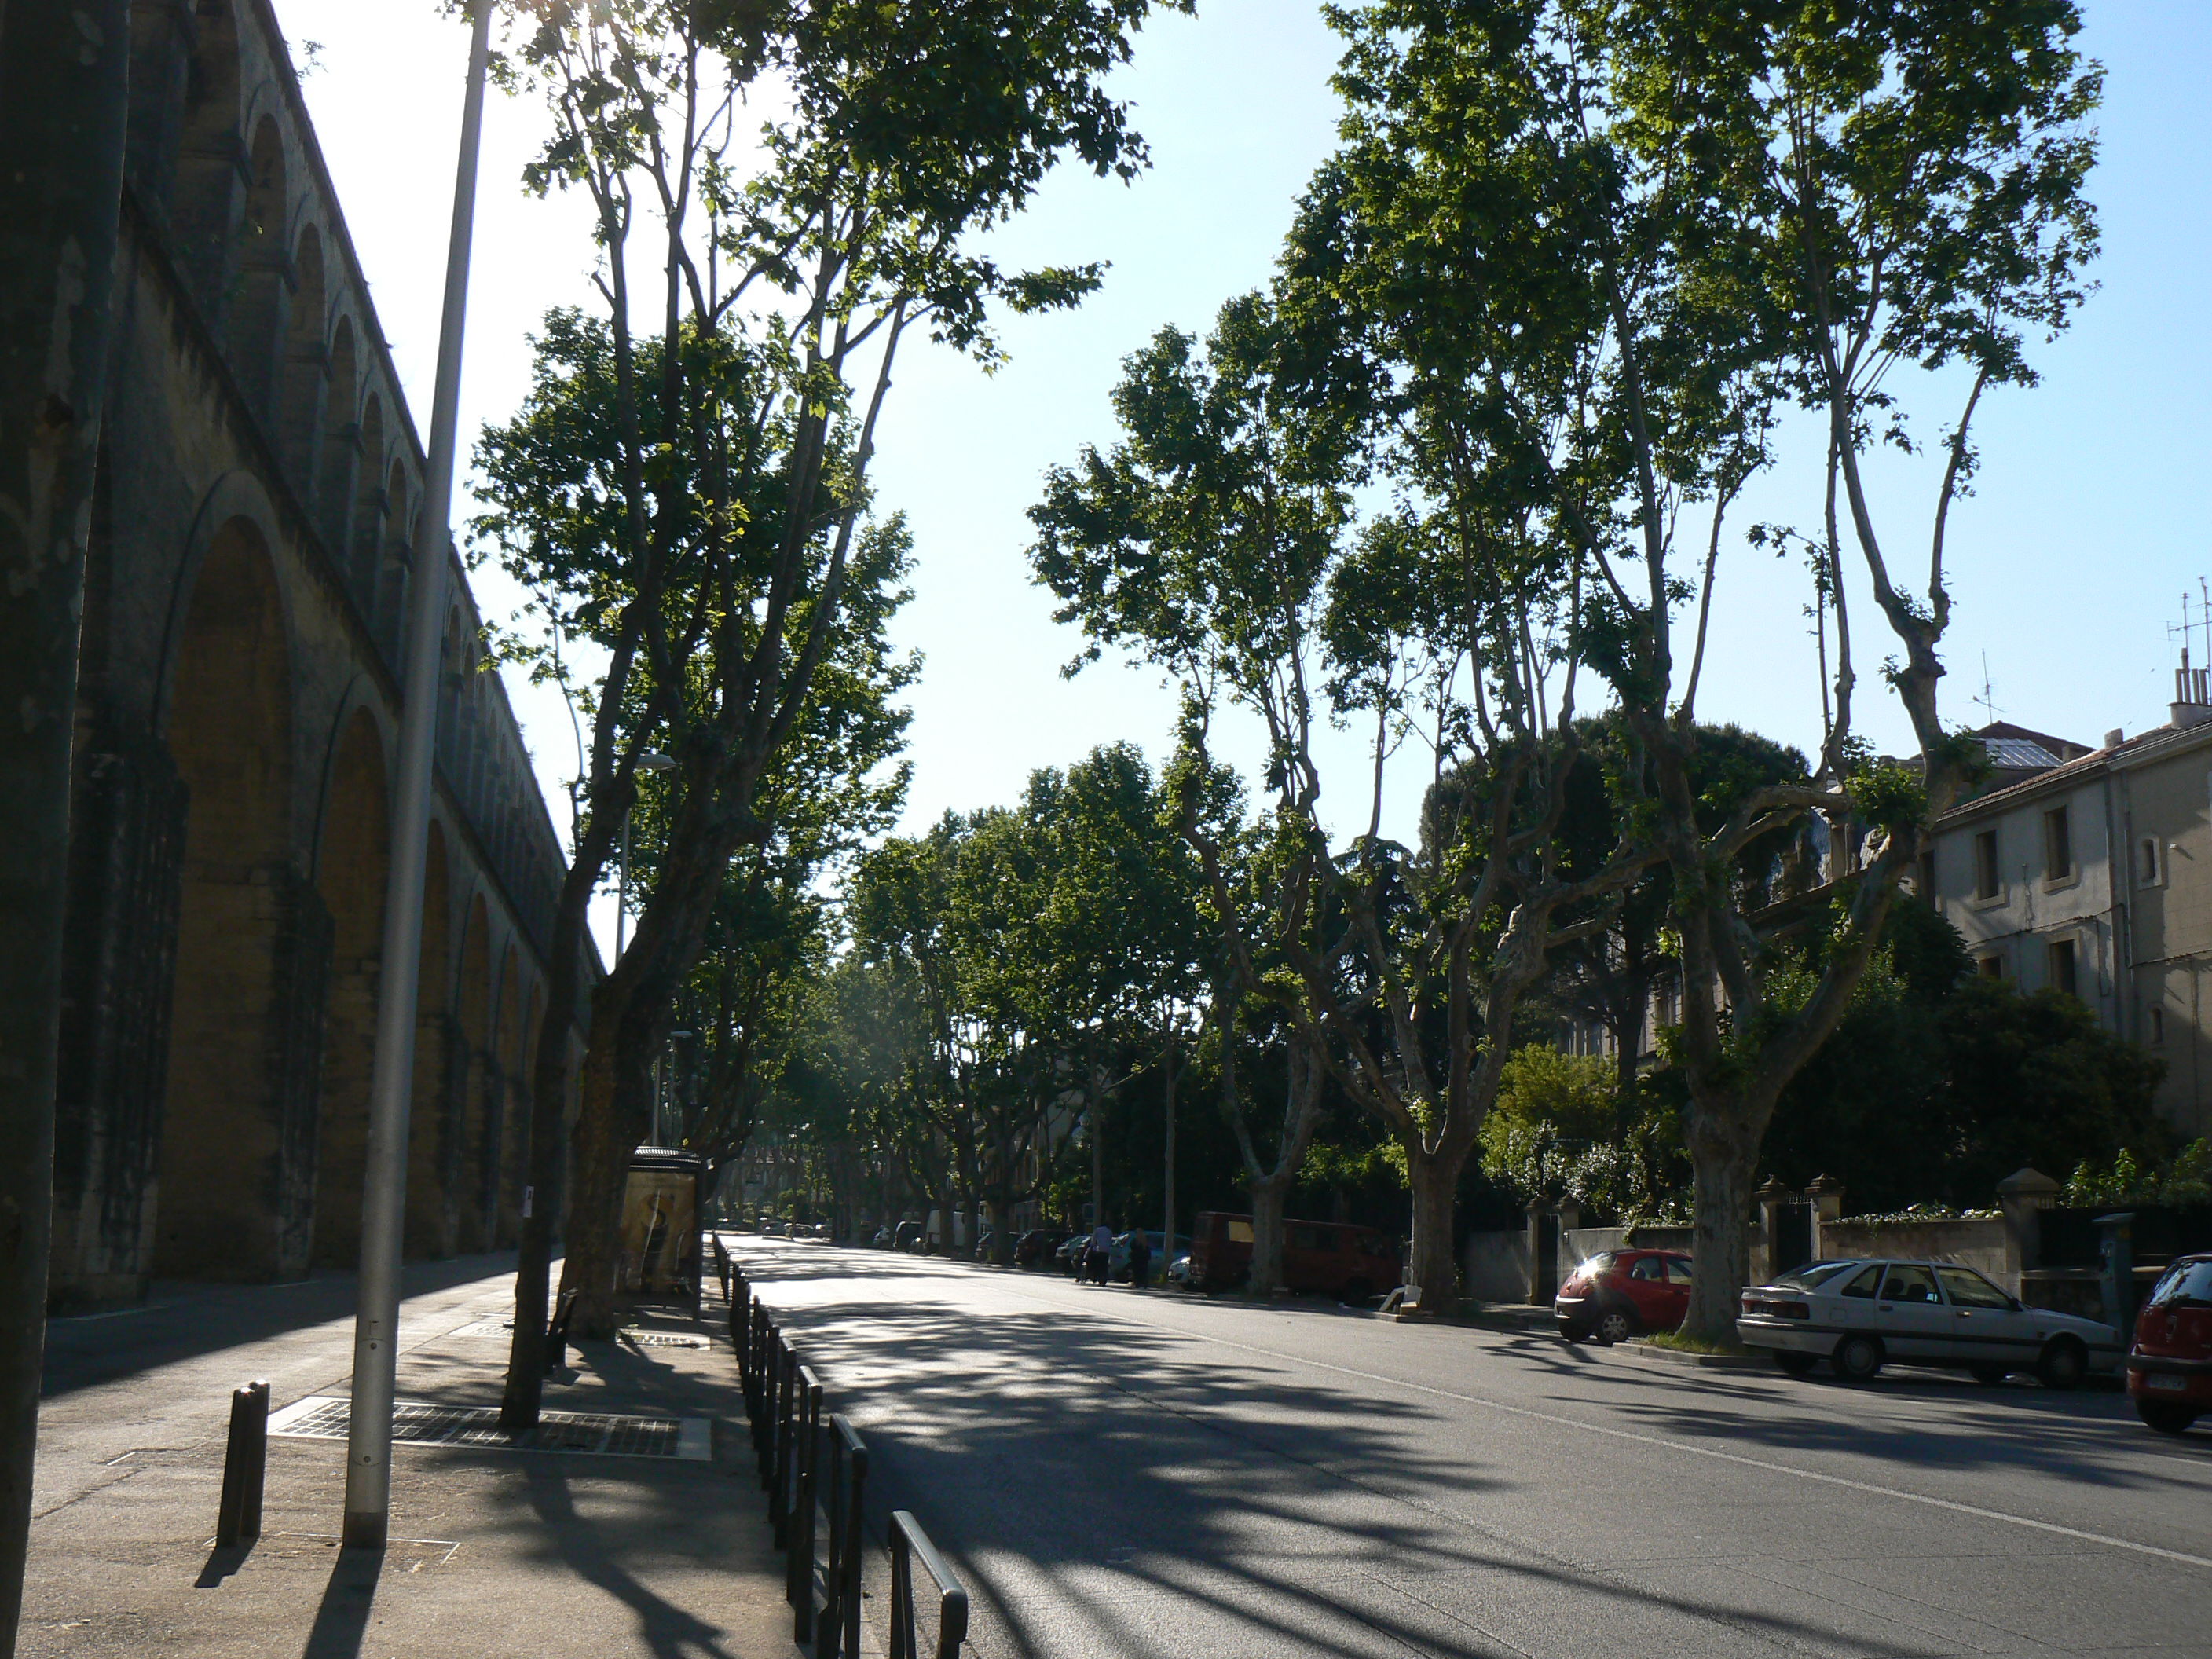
1100, 1252
1140, 1259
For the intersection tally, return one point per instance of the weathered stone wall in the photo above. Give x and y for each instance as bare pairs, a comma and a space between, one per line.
255, 532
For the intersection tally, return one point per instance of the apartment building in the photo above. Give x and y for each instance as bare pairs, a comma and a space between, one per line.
2090, 872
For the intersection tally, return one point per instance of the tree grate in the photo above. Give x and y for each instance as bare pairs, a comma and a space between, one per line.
665, 1339
416, 1423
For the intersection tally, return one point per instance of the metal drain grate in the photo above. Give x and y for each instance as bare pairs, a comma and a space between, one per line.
323, 1417
665, 1339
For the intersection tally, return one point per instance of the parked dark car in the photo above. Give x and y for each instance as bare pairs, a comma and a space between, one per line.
1067, 1255
908, 1237
1350, 1263
2170, 1366
1618, 1294
1037, 1245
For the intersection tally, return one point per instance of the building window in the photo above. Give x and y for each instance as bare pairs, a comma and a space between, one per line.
1986, 885
2157, 1025
2147, 861
2062, 967
2058, 845
1991, 967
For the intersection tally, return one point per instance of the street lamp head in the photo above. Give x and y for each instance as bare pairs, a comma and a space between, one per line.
654, 761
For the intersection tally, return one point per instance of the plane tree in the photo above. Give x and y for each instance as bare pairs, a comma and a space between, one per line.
793, 261
1733, 210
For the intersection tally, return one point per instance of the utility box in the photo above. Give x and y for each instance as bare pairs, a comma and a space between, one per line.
660, 1249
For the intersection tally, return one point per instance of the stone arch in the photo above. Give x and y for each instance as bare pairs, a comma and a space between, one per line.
252, 938
300, 400
210, 152
430, 1137
352, 866
361, 548
259, 304
475, 1196
514, 1095
341, 443
390, 600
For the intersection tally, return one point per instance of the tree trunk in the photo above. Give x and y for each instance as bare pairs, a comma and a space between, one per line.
616, 1112
1269, 1197
64, 91
1097, 1160
544, 1199
1724, 1157
1435, 1264
1168, 1205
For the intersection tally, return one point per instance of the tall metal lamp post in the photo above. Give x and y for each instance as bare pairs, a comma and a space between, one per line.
384, 1186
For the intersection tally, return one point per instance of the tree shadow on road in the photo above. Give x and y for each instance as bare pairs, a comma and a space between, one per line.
1096, 1457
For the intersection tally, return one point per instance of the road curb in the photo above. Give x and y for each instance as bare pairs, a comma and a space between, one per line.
1717, 1362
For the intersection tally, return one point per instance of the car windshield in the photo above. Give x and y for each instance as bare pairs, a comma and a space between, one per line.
1597, 1264
1812, 1275
2185, 1282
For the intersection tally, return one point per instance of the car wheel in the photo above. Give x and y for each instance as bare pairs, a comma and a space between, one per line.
1991, 1374
1794, 1365
2165, 1416
1614, 1325
1858, 1358
2064, 1364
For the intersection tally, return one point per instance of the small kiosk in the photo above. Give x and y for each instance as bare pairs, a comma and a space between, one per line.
660, 1251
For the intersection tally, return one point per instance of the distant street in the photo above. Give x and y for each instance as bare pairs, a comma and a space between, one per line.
1141, 1474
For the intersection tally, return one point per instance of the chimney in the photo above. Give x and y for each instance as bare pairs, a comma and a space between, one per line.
2192, 695
2115, 737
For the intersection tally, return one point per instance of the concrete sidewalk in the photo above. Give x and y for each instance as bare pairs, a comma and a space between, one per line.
495, 1551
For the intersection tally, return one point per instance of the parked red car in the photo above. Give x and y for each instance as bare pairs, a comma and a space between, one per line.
1351, 1263
2169, 1367
1618, 1294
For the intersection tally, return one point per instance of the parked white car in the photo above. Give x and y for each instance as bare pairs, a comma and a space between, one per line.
1862, 1314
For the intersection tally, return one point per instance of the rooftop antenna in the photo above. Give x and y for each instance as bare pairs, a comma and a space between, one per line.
1988, 699
2192, 685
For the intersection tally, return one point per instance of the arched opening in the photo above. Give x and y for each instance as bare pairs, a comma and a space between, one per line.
257, 320
352, 868
430, 1137
514, 1112
391, 598
299, 401
204, 199
479, 1117
366, 541
334, 474
247, 929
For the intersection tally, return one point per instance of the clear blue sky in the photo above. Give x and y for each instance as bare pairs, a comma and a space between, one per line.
2087, 524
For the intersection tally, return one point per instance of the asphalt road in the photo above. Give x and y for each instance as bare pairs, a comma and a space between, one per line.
1150, 1473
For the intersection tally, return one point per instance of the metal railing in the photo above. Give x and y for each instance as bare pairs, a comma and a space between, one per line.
909, 1544
813, 1466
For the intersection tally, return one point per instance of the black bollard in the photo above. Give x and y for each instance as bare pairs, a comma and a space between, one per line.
245, 1467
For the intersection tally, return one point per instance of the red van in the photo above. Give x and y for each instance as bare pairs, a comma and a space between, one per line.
1335, 1259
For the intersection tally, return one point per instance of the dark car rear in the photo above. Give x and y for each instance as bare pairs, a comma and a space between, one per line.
1036, 1245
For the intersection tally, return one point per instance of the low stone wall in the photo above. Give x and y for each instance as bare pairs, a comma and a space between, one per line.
1497, 1266
1981, 1243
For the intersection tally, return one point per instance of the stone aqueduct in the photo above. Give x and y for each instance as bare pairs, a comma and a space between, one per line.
255, 526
